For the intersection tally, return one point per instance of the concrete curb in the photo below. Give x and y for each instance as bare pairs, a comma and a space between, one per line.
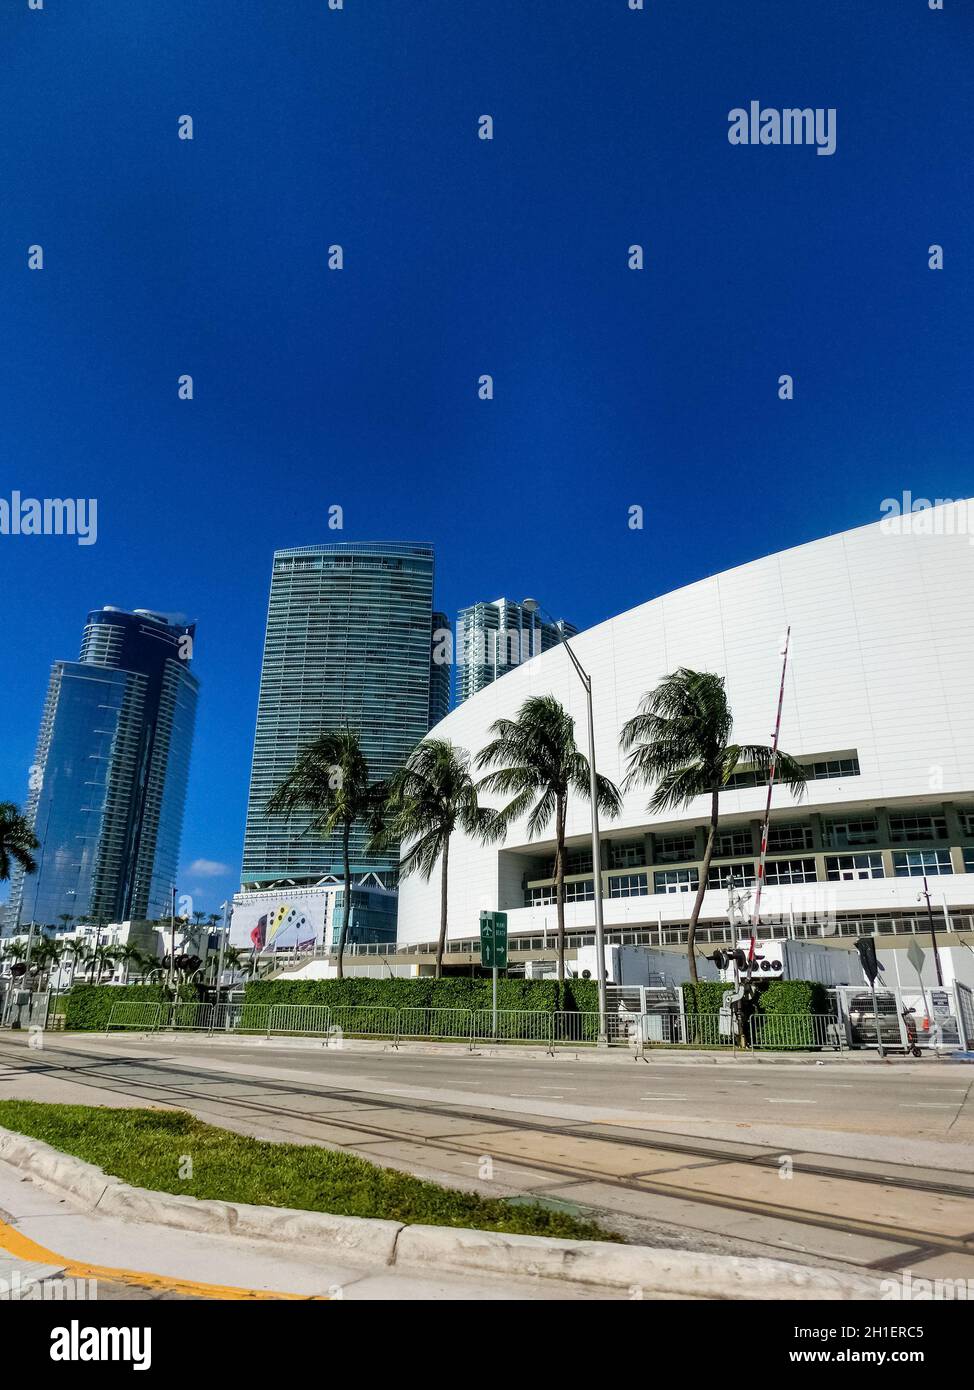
638, 1269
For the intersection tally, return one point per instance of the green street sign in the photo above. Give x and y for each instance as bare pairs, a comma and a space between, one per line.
493, 940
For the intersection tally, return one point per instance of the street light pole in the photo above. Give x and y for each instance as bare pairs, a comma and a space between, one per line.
933, 933
532, 606
223, 942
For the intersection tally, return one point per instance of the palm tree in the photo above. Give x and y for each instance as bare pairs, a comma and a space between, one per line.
429, 798
233, 958
129, 955
331, 780
17, 841
540, 767
14, 951
680, 744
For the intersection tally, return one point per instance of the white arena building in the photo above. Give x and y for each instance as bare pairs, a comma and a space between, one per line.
879, 704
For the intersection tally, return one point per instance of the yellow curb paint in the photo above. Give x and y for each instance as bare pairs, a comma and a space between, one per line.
23, 1248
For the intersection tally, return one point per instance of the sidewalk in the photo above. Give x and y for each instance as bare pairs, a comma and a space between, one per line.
598, 1056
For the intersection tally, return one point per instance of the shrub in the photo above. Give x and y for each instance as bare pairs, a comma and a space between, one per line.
89, 1006
452, 992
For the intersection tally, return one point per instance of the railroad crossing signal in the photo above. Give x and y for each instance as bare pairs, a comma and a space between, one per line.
493, 940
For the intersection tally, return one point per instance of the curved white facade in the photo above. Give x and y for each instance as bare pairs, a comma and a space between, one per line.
881, 668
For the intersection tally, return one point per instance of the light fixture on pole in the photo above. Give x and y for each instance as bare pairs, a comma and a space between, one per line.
531, 605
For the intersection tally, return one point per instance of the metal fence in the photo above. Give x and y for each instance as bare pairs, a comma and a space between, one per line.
786, 1032
136, 1014
477, 1027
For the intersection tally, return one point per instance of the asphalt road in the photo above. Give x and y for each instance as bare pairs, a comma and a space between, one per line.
860, 1164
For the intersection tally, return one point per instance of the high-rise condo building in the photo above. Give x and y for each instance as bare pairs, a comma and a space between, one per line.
495, 637
108, 785
349, 642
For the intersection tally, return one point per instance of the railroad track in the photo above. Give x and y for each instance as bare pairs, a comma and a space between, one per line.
102, 1073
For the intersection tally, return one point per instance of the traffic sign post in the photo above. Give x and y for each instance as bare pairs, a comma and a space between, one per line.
493, 952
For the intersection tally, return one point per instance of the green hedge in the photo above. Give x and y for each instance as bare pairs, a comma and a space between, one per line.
704, 997
89, 1006
774, 997
793, 997
453, 992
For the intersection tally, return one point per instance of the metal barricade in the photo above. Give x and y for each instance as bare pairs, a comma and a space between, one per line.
299, 1018
364, 1021
453, 1025
190, 1015
512, 1025
788, 1032
709, 1030
142, 1015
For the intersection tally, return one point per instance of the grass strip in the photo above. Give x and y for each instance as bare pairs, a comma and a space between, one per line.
153, 1148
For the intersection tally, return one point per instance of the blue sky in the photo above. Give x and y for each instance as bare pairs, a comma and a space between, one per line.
314, 387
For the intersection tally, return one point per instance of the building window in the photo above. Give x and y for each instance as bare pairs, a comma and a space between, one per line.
840, 867
967, 822
785, 837
731, 843
623, 855
846, 833
581, 891
670, 849
628, 886
914, 863
790, 871
721, 875
540, 897
676, 881
832, 767
578, 861
904, 830
816, 769
969, 860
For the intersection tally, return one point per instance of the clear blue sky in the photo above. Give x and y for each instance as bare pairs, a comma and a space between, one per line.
358, 387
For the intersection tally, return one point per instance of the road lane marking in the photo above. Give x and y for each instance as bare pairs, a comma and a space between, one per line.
785, 1100
23, 1248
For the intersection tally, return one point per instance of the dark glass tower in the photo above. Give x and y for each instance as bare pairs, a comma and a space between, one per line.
349, 642
108, 785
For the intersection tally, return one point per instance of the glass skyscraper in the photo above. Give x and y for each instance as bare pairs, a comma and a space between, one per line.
494, 637
108, 785
349, 641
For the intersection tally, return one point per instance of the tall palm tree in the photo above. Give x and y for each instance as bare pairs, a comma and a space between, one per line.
680, 744
331, 780
540, 766
430, 797
17, 841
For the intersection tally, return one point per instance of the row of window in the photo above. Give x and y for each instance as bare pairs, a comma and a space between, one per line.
845, 832
815, 772
838, 868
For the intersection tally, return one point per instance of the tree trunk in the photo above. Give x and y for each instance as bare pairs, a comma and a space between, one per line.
347, 904
560, 888
702, 885
444, 871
